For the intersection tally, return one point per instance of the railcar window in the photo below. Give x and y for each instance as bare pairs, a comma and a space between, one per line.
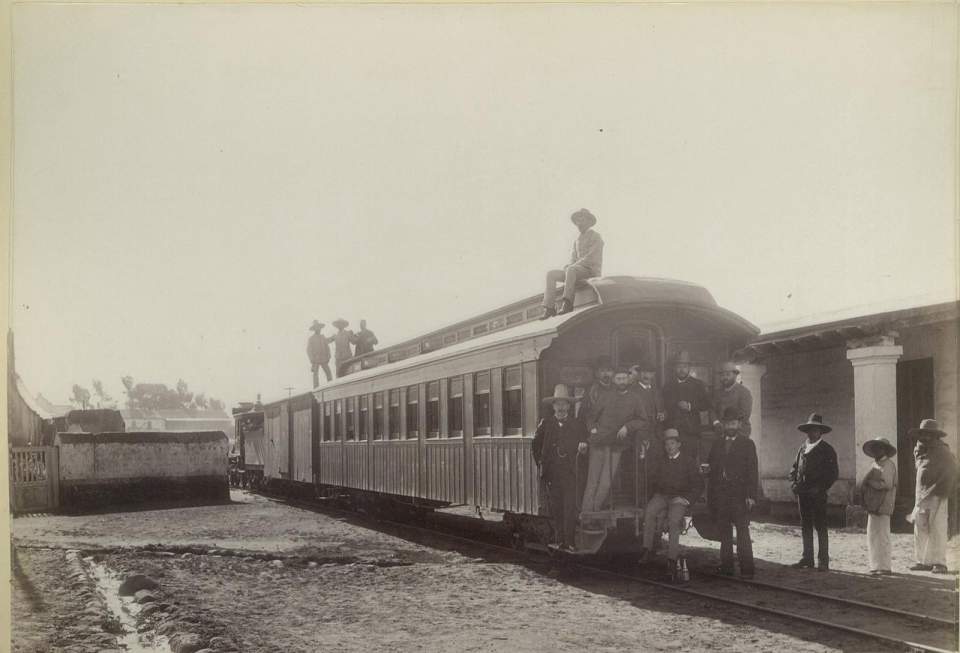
413, 412
433, 409
327, 422
337, 420
512, 401
351, 424
378, 416
455, 408
364, 412
394, 414
481, 403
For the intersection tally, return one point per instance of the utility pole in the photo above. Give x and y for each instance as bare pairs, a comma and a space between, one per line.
289, 390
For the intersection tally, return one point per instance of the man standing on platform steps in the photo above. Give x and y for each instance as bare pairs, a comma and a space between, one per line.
684, 396
814, 471
731, 393
586, 261
732, 494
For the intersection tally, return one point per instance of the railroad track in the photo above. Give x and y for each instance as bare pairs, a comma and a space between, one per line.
907, 630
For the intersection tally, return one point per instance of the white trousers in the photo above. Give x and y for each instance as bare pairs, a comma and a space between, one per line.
878, 542
930, 532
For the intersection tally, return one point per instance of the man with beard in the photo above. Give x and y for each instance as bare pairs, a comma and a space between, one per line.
684, 396
731, 393
733, 493
603, 382
936, 476
560, 437
617, 415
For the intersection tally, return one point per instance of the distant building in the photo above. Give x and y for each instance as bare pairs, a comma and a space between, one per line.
178, 419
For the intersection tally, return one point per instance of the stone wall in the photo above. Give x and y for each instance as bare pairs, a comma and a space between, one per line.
100, 470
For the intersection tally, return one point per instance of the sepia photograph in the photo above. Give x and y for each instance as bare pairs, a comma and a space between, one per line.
493, 327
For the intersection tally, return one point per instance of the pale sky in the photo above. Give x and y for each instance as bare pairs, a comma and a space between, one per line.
195, 184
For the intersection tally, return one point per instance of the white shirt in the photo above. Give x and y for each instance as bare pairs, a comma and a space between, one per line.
808, 446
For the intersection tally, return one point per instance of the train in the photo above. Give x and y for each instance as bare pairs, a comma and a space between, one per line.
447, 419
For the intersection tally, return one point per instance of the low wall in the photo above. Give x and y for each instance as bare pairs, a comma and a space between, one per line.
98, 470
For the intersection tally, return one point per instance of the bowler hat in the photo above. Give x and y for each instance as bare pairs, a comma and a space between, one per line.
340, 323
815, 421
583, 215
317, 326
681, 357
731, 413
560, 391
870, 447
930, 426
671, 434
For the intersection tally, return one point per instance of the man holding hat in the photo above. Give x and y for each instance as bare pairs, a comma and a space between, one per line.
684, 396
318, 351
675, 481
731, 393
814, 471
733, 492
341, 343
560, 437
936, 476
879, 491
586, 260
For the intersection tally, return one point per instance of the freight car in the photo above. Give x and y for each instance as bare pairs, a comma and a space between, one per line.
447, 419
247, 459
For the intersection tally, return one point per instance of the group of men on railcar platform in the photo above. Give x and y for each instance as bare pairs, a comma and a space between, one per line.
623, 411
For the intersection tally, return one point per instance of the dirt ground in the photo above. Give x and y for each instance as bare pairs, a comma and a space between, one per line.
258, 575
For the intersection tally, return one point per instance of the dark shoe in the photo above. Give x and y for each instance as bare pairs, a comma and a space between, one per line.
548, 312
565, 307
823, 566
803, 564
920, 567
939, 569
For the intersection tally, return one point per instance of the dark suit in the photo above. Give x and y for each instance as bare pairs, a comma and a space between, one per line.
555, 452
812, 475
687, 422
733, 479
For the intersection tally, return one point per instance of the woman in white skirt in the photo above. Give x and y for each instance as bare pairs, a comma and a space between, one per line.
879, 491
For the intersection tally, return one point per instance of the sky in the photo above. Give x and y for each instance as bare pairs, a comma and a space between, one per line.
194, 185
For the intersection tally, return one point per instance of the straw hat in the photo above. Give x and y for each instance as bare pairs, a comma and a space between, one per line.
340, 323
870, 447
583, 215
815, 421
929, 427
559, 392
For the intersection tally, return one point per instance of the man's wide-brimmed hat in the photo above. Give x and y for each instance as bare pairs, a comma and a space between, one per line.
340, 323
731, 413
681, 357
671, 434
877, 445
583, 215
561, 391
316, 326
928, 427
815, 421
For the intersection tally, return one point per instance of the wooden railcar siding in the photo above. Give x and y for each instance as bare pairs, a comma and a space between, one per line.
396, 468
356, 465
331, 463
302, 450
276, 449
443, 470
505, 476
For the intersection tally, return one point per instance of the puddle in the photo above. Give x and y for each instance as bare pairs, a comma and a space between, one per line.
125, 610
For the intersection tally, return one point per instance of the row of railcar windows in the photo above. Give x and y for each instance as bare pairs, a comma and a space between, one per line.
348, 419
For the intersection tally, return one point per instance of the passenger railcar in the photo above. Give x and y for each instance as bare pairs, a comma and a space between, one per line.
250, 445
448, 419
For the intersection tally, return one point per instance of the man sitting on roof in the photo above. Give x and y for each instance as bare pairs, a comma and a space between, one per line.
586, 259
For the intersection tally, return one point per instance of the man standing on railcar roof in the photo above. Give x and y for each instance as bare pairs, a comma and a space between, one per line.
814, 471
341, 343
586, 261
684, 396
560, 438
318, 351
363, 340
733, 492
936, 478
618, 415
731, 393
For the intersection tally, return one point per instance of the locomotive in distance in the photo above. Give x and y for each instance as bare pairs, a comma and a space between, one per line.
448, 419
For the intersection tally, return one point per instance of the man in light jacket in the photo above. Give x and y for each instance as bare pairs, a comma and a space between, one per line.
586, 260
879, 491
936, 476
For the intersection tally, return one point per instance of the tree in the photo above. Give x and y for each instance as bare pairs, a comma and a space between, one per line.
157, 396
103, 399
200, 401
216, 404
81, 397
